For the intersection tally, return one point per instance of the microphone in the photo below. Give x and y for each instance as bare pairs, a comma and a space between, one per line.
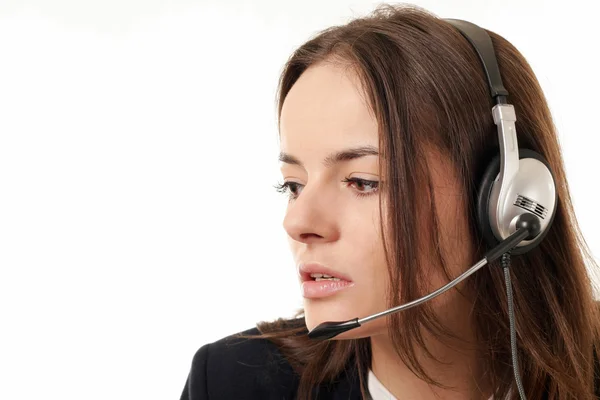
528, 227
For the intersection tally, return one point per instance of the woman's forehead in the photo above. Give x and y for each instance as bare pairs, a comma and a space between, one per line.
326, 103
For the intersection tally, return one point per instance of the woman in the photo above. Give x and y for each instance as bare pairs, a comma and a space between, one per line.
395, 218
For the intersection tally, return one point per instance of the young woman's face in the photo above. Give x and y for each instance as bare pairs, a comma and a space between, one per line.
333, 215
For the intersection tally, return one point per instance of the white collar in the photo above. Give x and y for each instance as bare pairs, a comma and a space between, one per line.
379, 392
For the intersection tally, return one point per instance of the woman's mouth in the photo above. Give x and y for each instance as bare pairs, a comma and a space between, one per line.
319, 281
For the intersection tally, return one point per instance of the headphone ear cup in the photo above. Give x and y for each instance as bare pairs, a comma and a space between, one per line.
483, 200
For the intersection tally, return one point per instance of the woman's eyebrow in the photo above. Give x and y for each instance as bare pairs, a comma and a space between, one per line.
334, 158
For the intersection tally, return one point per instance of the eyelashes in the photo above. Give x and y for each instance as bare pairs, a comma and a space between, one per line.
292, 187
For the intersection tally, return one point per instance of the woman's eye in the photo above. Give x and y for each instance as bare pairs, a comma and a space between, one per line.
361, 184
292, 187
363, 187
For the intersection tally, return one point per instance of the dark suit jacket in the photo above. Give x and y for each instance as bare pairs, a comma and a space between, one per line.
240, 369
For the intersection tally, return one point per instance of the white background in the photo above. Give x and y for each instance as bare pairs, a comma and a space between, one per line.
138, 154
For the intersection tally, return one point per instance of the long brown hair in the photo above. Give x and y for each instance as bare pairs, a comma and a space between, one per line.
425, 85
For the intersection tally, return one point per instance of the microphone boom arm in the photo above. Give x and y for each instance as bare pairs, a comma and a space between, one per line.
428, 297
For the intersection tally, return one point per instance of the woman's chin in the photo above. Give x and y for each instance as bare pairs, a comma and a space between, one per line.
317, 311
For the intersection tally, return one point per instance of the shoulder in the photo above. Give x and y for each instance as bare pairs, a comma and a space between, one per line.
237, 367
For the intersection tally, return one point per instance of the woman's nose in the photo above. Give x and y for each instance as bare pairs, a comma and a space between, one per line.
312, 216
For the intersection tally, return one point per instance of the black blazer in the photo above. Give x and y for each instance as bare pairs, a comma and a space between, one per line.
240, 369
248, 369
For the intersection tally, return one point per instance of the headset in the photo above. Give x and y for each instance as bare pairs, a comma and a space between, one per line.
517, 179
516, 198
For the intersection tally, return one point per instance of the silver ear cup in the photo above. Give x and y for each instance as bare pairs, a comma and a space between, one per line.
532, 190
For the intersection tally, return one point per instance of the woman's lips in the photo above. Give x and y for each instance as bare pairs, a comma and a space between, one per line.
318, 289
315, 289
